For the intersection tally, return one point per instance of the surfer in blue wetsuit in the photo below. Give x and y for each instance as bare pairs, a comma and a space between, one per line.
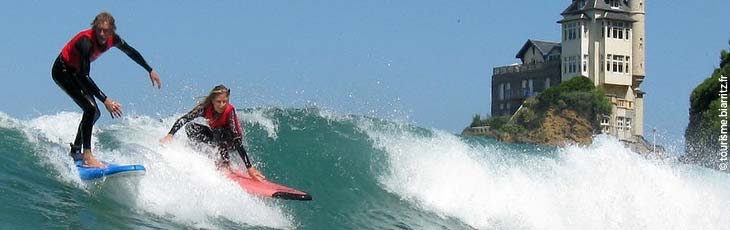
223, 129
71, 73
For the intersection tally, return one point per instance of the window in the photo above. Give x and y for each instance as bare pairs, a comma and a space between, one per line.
530, 89
501, 91
620, 123
578, 29
641, 43
572, 64
573, 31
585, 62
618, 63
525, 93
508, 91
620, 33
570, 31
547, 83
616, 30
627, 124
614, 3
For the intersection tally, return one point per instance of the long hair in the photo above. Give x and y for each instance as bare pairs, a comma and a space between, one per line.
103, 17
217, 90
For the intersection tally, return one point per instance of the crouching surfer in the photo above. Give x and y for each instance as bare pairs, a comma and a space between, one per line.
223, 130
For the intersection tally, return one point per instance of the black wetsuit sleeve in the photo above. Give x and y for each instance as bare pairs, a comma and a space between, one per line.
84, 47
235, 127
131, 52
196, 112
242, 152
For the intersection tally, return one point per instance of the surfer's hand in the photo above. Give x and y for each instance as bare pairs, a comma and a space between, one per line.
155, 78
114, 108
255, 174
166, 139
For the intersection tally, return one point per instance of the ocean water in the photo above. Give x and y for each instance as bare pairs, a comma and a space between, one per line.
363, 173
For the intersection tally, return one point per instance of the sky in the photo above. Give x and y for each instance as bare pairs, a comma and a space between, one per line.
425, 62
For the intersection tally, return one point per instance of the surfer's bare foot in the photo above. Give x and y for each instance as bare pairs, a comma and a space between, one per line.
91, 161
255, 174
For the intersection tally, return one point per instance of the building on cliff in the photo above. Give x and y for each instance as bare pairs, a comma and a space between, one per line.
603, 40
540, 69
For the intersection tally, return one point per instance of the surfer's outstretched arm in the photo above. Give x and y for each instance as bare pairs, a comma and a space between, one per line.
180, 122
137, 57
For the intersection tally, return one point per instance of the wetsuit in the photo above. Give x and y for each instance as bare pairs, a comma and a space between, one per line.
71, 72
223, 130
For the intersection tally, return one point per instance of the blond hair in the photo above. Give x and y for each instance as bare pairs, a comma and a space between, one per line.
102, 17
217, 90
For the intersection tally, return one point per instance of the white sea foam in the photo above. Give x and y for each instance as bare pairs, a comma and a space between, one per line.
603, 186
258, 117
181, 183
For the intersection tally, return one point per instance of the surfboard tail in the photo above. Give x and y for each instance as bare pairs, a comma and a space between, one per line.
292, 196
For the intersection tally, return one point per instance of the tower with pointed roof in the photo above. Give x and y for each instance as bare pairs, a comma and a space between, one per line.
604, 40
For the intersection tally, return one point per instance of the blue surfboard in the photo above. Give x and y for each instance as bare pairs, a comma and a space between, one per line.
111, 170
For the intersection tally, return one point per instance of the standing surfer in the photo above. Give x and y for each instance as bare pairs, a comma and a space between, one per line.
71, 73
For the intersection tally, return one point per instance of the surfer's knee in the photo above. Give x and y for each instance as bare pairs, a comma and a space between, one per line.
97, 113
91, 111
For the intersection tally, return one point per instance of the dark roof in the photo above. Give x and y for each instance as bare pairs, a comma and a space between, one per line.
570, 17
558, 49
542, 46
576, 8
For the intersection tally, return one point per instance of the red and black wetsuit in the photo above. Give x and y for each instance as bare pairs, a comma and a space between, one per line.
71, 73
223, 130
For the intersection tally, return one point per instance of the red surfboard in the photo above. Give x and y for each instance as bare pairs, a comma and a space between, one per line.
265, 188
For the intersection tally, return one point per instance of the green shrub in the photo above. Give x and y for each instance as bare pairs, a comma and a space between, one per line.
512, 128
578, 93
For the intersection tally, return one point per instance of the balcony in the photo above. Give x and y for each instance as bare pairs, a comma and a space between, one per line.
524, 67
622, 103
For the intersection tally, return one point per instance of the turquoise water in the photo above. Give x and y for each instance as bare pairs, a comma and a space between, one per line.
363, 173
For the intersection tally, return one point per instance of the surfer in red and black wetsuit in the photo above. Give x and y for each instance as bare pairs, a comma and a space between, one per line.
71, 73
223, 130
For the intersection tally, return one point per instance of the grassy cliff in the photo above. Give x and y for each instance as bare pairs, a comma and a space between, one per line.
703, 131
563, 114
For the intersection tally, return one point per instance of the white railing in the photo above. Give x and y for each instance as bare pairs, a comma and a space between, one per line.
523, 67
